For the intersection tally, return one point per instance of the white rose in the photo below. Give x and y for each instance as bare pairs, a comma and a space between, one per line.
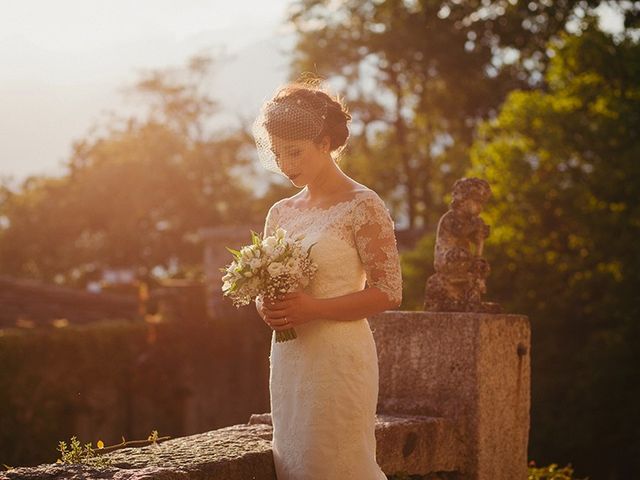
269, 242
268, 251
255, 263
291, 264
275, 269
246, 252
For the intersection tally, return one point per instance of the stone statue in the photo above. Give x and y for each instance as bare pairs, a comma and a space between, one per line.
459, 281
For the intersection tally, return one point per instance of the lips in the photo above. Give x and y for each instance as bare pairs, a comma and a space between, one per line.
293, 177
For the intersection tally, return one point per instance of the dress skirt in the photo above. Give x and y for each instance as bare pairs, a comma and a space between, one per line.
323, 393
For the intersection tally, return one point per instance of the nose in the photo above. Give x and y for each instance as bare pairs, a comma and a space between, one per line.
287, 166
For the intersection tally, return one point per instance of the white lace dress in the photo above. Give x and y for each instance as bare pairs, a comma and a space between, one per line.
324, 383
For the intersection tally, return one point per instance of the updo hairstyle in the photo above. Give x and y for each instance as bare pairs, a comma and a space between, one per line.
332, 111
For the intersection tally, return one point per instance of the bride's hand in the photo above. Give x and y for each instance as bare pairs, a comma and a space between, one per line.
262, 305
294, 307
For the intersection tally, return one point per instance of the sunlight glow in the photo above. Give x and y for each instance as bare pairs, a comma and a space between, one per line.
77, 25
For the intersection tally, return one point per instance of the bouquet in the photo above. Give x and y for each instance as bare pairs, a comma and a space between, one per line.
269, 267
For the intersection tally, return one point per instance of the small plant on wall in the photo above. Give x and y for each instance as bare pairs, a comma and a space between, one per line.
78, 454
89, 456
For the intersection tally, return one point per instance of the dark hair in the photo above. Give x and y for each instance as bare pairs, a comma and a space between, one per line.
316, 101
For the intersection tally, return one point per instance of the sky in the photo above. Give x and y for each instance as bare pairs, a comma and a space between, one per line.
63, 64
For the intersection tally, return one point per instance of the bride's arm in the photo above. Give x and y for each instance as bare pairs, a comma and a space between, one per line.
354, 306
375, 240
300, 307
374, 234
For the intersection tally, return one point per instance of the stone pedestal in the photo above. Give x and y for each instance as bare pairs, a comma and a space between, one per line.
470, 368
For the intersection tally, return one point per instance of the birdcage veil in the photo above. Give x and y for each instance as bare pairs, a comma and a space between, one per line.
292, 115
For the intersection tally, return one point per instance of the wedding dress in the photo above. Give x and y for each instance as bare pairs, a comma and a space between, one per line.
324, 383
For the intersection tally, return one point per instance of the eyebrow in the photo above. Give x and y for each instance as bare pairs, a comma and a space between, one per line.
287, 149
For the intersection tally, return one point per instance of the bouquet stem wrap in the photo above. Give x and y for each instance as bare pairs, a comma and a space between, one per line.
284, 335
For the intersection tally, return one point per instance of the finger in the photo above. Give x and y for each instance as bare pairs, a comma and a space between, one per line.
279, 314
283, 326
280, 306
276, 305
273, 324
279, 320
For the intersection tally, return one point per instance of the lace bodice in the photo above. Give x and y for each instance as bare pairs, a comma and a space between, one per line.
356, 243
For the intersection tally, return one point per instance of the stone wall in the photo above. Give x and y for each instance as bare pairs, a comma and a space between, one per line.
453, 404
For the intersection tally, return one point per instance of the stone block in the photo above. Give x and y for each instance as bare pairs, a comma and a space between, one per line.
470, 368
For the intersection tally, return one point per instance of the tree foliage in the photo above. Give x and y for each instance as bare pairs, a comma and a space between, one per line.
136, 191
419, 75
563, 166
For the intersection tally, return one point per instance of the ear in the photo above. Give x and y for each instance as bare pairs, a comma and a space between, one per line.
325, 144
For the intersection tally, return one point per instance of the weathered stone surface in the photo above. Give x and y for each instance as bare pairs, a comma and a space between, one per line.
416, 445
470, 368
412, 444
407, 443
235, 452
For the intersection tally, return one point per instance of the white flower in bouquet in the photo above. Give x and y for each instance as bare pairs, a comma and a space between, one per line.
269, 267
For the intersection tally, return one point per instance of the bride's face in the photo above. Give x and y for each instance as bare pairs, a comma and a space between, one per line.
299, 160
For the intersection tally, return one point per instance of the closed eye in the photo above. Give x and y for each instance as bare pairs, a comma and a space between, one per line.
293, 153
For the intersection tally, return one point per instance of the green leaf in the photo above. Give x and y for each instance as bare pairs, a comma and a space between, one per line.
255, 238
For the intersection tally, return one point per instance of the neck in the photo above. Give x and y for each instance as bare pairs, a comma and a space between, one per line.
328, 181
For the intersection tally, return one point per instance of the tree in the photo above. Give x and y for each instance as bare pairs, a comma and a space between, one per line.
565, 215
419, 76
137, 189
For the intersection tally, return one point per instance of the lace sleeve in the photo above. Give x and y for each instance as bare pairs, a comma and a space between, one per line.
271, 221
375, 239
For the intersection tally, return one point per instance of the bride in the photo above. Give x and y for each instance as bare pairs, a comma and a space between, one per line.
324, 383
